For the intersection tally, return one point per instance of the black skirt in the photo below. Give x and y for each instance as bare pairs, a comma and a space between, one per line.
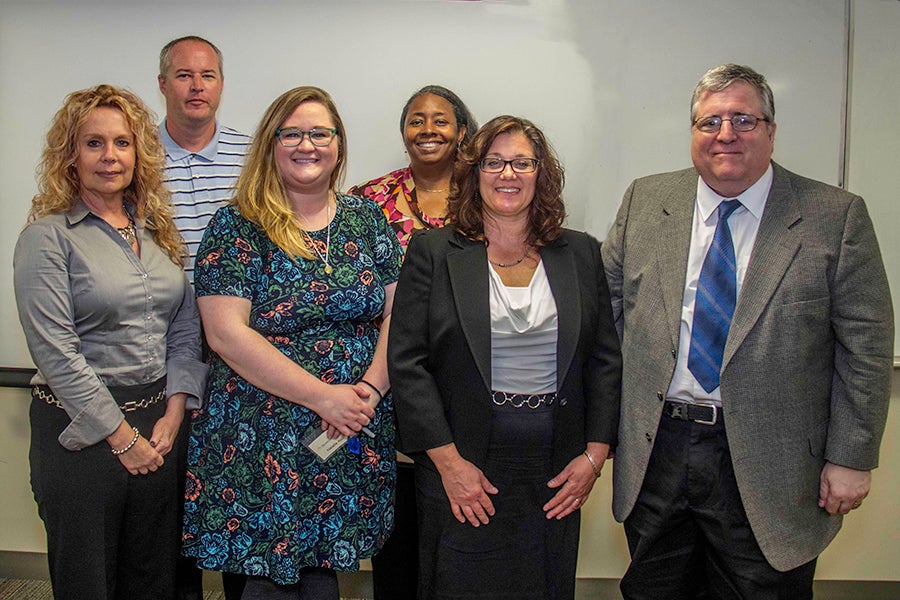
520, 553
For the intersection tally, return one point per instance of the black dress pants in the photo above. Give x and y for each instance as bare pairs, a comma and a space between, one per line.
688, 534
110, 535
395, 568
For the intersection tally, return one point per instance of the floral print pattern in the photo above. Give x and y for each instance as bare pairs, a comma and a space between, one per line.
384, 191
257, 501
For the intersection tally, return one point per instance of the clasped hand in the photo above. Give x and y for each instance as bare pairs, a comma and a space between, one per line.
346, 409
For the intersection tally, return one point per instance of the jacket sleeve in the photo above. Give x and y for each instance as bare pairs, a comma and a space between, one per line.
422, 423
863, 323
603, 368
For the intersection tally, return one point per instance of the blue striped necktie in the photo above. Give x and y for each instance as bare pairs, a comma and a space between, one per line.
714, 305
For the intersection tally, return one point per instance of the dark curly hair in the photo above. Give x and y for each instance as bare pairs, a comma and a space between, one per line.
547, 211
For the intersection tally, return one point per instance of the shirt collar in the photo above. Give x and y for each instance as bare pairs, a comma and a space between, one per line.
175, 152
753, 198
80, 211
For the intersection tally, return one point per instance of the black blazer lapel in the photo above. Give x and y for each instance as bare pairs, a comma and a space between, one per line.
467, 267
559, 264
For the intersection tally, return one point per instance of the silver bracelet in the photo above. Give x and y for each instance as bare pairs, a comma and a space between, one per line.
118, 451
594, 466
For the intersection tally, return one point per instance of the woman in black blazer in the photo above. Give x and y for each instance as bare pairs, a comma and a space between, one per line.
506, 371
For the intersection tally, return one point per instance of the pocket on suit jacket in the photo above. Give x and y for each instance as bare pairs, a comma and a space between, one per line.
817, 439
806, 307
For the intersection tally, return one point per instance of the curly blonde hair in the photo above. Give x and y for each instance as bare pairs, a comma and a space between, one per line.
58, 187
261, 196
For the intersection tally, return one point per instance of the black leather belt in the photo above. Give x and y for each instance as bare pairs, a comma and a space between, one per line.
705, 414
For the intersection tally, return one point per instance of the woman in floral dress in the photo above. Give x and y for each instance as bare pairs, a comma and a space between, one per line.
292, 282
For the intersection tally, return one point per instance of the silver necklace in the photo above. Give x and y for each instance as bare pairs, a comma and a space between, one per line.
315, 247
514, 263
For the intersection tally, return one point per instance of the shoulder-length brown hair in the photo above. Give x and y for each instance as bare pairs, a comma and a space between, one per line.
261, 196
547, 211
58, 187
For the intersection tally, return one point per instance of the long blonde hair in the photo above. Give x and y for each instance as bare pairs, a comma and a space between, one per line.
58, 187
261, 196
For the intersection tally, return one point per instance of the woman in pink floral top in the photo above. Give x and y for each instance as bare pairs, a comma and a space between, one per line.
434, 123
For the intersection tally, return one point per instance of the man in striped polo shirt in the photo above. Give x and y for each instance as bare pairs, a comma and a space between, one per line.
203, 161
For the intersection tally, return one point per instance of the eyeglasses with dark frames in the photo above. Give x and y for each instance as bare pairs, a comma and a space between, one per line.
498, 165
291, 137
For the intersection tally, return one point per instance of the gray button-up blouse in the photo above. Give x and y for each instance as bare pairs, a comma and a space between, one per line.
96, 315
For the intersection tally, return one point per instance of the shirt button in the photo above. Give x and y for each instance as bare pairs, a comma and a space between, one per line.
649, 436
143, 276
659, 395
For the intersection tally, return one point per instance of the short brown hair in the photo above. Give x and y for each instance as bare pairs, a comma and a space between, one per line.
165, 55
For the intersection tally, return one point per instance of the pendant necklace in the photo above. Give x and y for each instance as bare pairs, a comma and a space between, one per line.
128, 233
514, 263
315, 246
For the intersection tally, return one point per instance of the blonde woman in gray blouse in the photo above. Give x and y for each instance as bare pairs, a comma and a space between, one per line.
112, 326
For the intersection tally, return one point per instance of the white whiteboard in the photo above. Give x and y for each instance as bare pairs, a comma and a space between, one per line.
874, 141
609, 81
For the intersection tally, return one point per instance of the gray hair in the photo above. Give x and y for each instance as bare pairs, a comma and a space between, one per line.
165, 55
719, 78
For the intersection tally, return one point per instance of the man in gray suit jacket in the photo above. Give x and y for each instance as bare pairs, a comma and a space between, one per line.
756, 375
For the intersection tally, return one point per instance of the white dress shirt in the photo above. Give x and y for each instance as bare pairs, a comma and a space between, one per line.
744, 224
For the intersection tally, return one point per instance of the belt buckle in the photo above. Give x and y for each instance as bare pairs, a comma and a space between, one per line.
714, 415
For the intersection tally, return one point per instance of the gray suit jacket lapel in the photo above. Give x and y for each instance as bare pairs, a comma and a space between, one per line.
467, 265
674, 246
775, 247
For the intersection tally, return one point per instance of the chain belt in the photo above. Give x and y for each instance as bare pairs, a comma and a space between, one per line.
523, 400
44, 393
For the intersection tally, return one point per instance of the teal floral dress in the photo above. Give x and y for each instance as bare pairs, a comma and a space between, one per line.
257, 501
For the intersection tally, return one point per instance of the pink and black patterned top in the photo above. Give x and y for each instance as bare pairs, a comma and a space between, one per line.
385, 190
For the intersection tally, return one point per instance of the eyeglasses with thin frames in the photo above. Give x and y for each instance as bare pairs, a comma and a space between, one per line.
291, 137
741, 123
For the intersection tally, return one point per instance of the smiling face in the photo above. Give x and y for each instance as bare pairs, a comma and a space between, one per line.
192, 85
731, 161
104, 156
430, 131
306, 169
507, 195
